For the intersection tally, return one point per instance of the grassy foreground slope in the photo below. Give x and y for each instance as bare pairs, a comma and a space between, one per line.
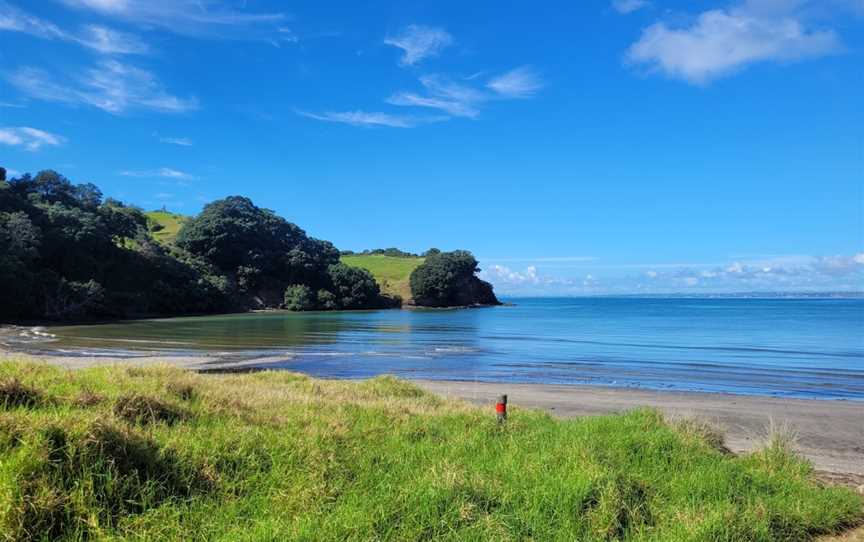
170, 222
162, 454
391, 273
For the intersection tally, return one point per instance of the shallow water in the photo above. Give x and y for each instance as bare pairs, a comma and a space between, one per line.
789, 347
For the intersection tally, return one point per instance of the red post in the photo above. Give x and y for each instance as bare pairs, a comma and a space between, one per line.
501, 408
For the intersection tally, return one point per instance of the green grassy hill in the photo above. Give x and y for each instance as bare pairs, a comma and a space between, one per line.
121, 453
170, 222
392, 273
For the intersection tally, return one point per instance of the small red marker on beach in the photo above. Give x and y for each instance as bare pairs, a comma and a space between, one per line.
501, 408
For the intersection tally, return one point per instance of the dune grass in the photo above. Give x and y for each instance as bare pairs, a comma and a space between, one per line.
391, 273
163, 454
170, 222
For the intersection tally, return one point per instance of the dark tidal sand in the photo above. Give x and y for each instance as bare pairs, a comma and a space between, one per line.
829, 433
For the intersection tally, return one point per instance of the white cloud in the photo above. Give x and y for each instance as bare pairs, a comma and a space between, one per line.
815, 272
110, 85
450, 107
518, 83
198, 18
99, 38
31, 139
419, 42
453, 98
12, 173
108, 41
16, 20
166, 172
629, 6
180, 141
369, 118
720, 42
461, 100
504, 276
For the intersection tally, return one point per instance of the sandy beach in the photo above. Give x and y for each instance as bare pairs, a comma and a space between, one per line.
830, 433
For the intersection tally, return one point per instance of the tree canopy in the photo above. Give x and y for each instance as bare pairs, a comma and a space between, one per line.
67, 254
448, 279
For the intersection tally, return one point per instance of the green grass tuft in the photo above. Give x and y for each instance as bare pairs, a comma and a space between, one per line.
143, 409
280, 456
15, 394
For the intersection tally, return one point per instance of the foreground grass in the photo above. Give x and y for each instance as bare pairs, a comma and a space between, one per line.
170, 222
162, 454
390, 272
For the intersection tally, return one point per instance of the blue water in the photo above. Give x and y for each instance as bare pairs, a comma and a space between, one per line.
786, 347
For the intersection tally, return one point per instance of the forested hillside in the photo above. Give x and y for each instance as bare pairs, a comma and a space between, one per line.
67, 253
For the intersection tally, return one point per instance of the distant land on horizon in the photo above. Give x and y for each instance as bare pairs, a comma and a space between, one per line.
698, 295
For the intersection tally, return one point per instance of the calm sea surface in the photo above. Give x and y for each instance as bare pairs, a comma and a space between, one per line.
788, 347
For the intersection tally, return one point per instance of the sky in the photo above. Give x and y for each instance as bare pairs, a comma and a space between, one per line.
593, 147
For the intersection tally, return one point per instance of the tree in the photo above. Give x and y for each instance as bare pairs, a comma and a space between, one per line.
447, 279
255, 245
355, 288
299, 297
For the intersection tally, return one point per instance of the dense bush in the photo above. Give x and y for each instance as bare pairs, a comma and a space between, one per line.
447, 279
65, 254
299, 297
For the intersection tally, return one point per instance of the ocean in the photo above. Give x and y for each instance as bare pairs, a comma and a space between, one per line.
807, 348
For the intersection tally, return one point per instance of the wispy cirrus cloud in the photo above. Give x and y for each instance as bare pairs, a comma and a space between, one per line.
521, 82
179, 141
108, 41
31, 139
164, 172
110, 85
369, 118
98, 38
720, 42
461, 99
419, 42
453, 98
626, 7
195, 18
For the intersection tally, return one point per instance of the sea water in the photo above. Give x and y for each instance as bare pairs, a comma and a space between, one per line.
811, 348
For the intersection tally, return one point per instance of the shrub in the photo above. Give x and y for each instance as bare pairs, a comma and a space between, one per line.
447, 279
299, 297
143, 409
13, 393
327, 300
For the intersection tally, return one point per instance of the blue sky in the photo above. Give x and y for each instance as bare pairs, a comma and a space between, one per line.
575, 147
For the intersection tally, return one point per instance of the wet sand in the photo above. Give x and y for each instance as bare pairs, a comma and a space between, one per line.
830, 433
